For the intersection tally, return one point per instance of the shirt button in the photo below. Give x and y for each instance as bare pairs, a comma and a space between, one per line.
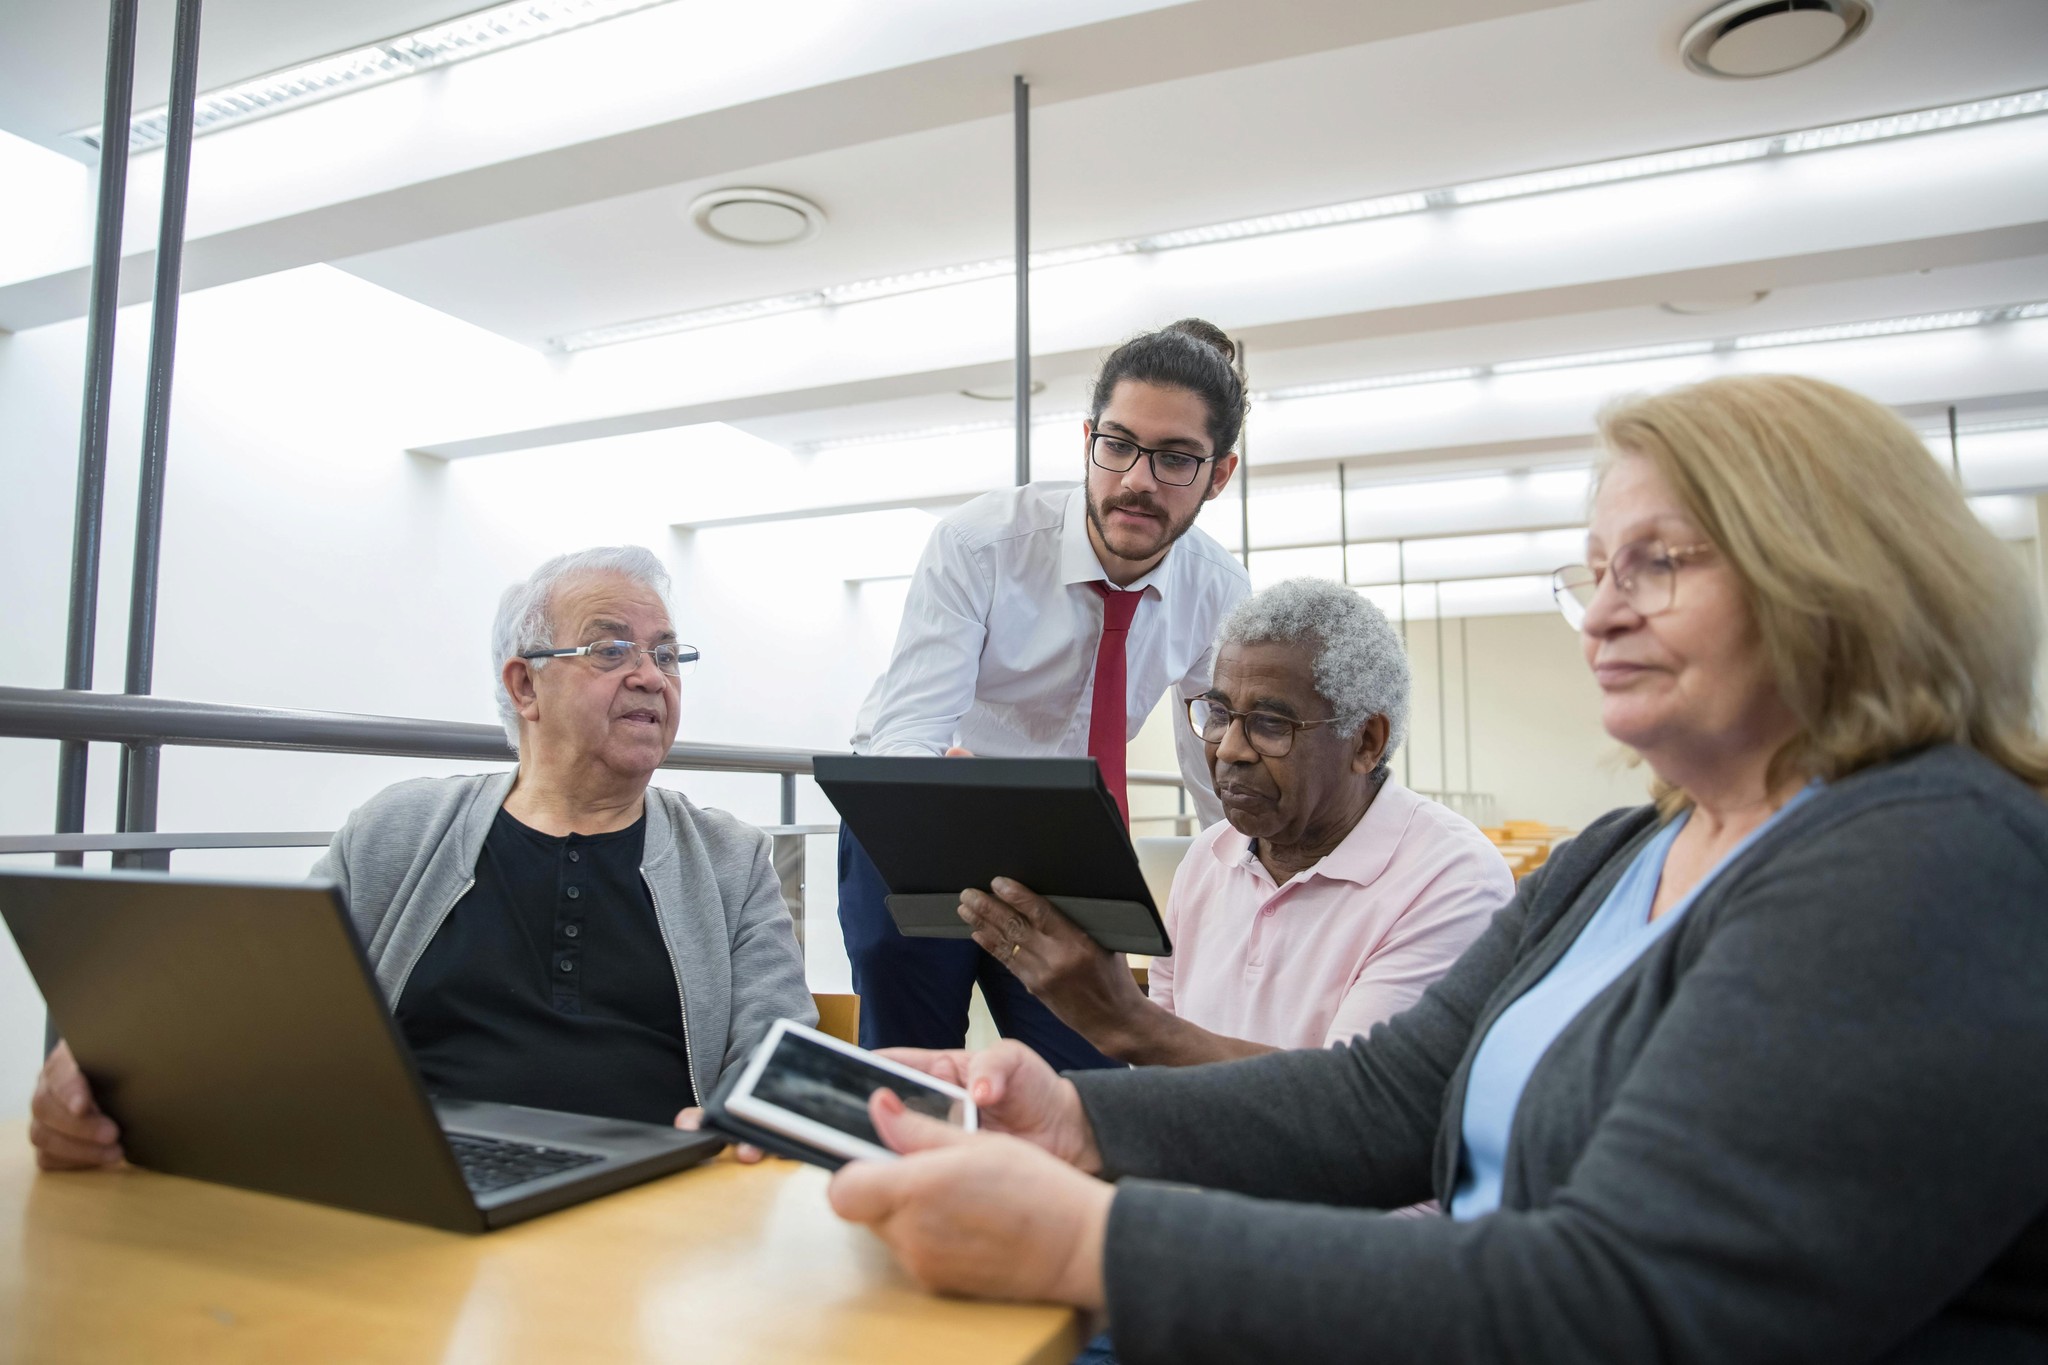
574, 856
574, 893
571, 930
568, 966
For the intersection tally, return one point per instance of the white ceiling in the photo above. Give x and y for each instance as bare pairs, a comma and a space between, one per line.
54, 54
534, 217
1577, 83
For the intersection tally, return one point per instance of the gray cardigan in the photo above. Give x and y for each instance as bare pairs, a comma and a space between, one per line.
1809, 1124
409, 853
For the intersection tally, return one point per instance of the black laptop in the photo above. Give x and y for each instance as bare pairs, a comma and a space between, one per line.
235, 1032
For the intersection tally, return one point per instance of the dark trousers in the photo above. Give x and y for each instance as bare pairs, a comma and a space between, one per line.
914, 991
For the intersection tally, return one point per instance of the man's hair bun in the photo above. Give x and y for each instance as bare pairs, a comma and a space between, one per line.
1209, 334
1191, 354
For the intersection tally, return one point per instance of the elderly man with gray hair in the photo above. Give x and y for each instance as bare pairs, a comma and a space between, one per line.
1330, 898
564, 935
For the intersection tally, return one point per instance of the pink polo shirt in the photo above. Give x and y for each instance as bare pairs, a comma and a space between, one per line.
1351, 941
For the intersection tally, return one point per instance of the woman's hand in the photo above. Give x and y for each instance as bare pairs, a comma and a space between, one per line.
978, 1213
1016, 1093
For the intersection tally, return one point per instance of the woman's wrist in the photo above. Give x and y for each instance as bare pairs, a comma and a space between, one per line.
1082, 1282
1083, 1155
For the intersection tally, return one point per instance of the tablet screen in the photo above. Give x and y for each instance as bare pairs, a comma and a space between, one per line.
831, 1087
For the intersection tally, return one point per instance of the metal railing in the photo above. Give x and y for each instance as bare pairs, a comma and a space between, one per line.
99, 718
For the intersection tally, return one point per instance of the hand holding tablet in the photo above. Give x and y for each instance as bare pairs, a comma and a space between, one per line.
937, 827
805, 1095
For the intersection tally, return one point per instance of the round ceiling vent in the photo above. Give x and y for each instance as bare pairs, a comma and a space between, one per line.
757, 217
1001, 393
1698, 304
1749, 38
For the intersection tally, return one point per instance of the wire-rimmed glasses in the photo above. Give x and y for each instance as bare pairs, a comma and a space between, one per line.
1268, 732
1176, 468
1645, 571
607, 656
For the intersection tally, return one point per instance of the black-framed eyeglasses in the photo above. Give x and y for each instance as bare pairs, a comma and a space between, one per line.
608, 656
1176, 468
1267, 732
1645, 571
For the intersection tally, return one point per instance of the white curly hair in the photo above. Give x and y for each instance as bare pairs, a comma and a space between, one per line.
525, 620
1361, 667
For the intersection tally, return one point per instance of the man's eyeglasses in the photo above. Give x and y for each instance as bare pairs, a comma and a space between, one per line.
608, 656
1645, 571
1267, 732
1174, 467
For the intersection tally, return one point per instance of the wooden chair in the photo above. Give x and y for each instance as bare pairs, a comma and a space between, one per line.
839, 1016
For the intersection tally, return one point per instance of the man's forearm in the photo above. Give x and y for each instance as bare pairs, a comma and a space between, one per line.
1150, 1036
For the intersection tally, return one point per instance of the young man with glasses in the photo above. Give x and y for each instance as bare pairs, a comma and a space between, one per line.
1046, 621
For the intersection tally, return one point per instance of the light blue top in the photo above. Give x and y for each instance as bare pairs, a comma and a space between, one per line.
1619, 932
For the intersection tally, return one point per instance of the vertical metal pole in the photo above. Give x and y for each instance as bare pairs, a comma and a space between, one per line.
1020, 117
1443, 737
139, 767
1244, 473
1401, 574
101, 313
1343, 525
789, 798
1465, 680
1955, 449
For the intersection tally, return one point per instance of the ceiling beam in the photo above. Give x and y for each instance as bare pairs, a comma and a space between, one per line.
245, 225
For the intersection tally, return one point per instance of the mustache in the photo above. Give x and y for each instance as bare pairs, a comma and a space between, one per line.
1134, 502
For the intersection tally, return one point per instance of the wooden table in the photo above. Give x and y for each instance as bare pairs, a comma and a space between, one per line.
725, 1263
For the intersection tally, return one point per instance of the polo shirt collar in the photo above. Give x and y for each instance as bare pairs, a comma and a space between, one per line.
1078, 560
1362, 855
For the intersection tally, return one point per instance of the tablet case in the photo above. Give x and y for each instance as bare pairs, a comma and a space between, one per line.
722, 1121
935, 826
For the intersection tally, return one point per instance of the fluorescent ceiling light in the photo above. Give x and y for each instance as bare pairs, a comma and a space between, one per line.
878, 438
1882, 327
1607, 172
1624, 356
1848, 331
1920, 121
1266, 225
341, 73
1384, 381
1352, 211
1989, 428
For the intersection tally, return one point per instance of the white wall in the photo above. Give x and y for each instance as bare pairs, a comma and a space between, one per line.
310, 562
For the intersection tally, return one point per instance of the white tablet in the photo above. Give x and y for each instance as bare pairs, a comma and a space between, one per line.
814, 1088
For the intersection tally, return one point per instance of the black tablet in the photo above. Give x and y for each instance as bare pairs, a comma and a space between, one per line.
936, 826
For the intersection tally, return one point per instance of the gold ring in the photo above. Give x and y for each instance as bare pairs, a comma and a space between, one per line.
1016, 948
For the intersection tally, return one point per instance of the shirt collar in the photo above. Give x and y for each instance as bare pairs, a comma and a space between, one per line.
1361, 856
1078, 560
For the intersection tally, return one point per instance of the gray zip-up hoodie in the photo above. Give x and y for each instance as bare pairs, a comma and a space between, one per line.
409, 853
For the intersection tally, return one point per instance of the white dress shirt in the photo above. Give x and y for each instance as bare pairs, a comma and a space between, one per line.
996, 652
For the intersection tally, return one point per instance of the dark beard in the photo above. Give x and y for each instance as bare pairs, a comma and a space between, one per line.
1098, 518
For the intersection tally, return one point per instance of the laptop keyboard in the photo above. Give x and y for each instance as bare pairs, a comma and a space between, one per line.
493, 1163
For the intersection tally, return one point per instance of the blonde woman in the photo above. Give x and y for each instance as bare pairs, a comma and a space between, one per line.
1758, 1072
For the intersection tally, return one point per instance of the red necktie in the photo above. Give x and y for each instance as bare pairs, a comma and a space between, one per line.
1106, 735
